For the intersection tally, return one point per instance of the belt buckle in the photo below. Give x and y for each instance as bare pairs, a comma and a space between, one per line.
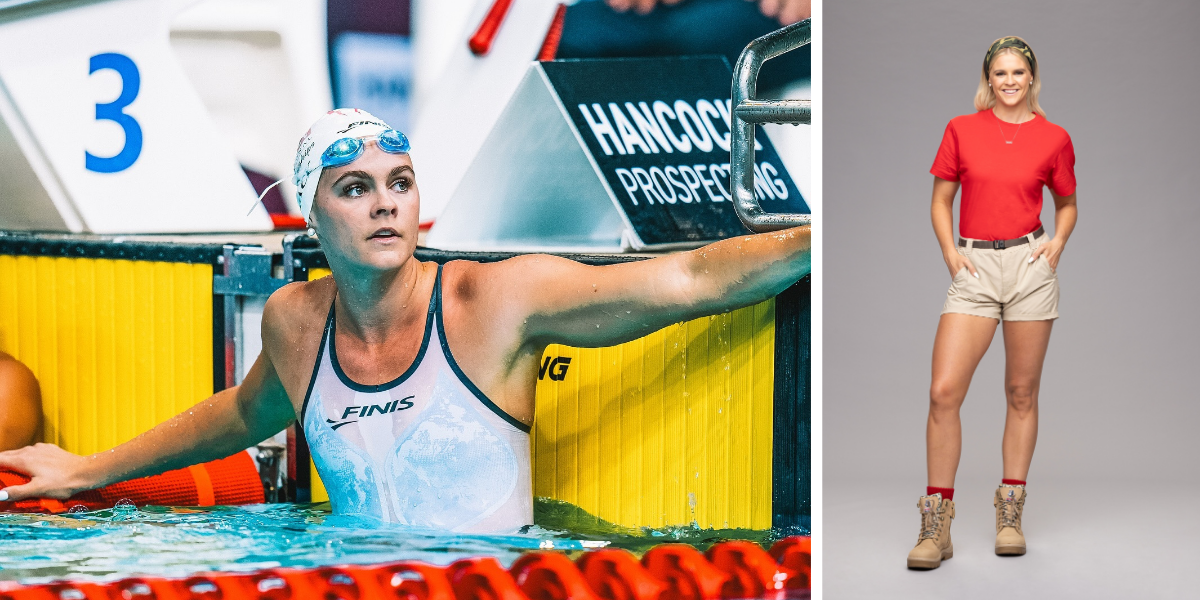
998, 245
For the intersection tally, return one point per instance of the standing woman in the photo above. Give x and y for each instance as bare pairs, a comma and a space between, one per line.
1004, 269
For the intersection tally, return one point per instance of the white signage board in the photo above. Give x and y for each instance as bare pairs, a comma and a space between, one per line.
109, 126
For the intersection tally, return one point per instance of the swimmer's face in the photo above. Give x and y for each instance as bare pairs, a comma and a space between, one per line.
367, 211
1010, 78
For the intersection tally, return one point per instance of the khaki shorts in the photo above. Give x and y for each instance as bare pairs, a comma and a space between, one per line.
1008, 288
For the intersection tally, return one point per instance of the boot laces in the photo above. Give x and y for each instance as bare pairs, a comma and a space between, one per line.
929, 525
1010, 513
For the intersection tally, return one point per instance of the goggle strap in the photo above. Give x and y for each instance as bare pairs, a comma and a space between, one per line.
262, 195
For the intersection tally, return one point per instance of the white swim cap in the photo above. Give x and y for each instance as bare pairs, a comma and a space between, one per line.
333, 126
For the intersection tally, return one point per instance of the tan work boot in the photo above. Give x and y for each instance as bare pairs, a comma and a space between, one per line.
1010, 500
933, 545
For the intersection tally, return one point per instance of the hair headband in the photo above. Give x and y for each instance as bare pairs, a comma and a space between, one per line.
1010, 42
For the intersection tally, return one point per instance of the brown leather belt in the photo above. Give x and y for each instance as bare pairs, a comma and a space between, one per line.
1001, 244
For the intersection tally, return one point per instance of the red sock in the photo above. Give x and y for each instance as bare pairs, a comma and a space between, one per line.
947, 493
1011, 482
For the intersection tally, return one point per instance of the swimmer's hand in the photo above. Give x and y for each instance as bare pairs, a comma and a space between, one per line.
53, 473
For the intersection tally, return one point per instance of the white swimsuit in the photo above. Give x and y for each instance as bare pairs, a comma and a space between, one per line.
427, 449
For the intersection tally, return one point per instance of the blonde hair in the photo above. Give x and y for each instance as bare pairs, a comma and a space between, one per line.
985, 98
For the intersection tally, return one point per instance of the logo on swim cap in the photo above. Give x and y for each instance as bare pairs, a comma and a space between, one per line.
334, 125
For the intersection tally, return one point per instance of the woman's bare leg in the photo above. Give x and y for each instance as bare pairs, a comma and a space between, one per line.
1025, 345
961, 342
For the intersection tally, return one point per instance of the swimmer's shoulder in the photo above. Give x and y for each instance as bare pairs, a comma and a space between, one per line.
17, 380
10, 367
467, 280
294, 316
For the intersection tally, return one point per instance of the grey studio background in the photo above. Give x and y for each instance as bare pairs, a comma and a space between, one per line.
1112, 509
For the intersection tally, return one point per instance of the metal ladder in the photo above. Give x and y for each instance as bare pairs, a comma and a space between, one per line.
749, 111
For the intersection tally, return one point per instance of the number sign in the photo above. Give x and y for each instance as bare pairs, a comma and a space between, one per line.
131, 82
112, 135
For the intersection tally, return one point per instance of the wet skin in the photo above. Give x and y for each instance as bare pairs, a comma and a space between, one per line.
499, 317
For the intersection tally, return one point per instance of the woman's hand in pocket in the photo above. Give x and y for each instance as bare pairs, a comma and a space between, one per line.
1052, 249
957, 262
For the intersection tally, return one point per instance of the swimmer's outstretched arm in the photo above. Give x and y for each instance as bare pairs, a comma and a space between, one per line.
229, 421
566, 302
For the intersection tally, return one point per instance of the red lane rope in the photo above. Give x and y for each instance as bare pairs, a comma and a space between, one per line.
553, 35
481, 43
729, 570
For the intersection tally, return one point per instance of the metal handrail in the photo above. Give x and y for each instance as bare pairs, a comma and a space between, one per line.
748, 112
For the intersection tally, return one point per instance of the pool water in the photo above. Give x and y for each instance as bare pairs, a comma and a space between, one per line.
124, 541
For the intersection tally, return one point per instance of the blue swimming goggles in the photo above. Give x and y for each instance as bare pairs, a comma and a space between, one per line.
344, 151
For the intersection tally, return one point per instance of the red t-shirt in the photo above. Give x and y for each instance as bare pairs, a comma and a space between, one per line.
1001, 182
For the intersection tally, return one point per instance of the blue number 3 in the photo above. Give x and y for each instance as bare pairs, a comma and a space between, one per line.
131, 82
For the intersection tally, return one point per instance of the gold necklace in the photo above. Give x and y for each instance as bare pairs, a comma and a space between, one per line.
1014, 137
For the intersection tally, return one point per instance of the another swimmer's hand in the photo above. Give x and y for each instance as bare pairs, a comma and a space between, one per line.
1052, 249
53, 472
786, 11
641, 7
957, 262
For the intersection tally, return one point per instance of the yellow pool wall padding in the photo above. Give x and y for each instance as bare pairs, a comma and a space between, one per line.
118, 346
671, 429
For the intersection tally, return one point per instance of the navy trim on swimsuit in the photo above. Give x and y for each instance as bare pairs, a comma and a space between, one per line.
312, 382
437, 295
383, 387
